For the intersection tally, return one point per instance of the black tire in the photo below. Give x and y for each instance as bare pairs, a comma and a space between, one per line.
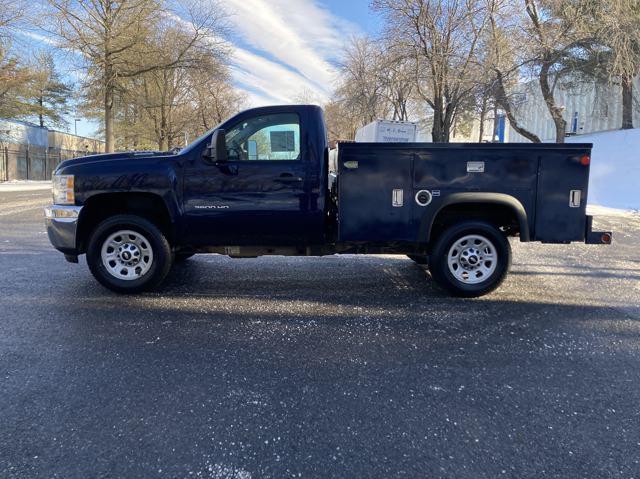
158, 244
419, 259
442, 274
182, 257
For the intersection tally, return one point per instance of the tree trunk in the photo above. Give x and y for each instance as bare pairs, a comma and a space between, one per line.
627, 102
41, 112
503, 101
108, 118
561, 130
162, 143
109, 86
446, 131
436, 130
554, 110
494, 132
441, 131
483, 113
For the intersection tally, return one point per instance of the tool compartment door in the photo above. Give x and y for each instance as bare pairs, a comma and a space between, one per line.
562, 197
375, 193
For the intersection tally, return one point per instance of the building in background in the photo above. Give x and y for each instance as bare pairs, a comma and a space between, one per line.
588, 108
30, 152
496, 129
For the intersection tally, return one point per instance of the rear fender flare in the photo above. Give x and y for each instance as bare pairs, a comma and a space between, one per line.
503, 199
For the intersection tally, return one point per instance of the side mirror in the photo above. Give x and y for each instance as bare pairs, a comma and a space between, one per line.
216, 151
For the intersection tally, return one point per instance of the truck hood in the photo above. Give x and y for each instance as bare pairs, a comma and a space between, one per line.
103, 157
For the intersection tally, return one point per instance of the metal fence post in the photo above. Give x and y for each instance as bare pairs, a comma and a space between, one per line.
28, 161
4, 163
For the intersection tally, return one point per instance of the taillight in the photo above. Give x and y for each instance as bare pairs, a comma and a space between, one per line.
585, 160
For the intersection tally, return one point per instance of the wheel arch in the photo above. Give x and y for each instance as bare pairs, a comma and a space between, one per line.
101, 206
502, 207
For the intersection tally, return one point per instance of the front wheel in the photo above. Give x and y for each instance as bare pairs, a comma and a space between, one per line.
470, 259
128, 254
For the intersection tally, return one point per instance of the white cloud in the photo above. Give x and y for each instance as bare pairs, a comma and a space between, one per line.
272, 81
295, 41
39, 38
281, 49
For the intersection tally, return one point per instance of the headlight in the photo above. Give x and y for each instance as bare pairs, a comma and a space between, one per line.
63, 193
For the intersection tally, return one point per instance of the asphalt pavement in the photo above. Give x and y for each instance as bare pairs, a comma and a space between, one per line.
342, 367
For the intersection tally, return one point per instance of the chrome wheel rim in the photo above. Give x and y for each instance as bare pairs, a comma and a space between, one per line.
127, 255
472, 259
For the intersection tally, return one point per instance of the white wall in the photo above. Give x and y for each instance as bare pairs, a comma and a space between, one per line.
23, 133
599, 108
615, 168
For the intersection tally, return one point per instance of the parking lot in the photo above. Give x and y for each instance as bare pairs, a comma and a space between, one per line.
319, 367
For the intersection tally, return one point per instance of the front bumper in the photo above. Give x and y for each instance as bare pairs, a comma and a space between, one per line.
62, 226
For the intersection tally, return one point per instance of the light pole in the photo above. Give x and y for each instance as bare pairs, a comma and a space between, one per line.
75, 124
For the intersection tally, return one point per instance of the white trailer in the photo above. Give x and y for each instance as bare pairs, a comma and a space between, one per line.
387, 131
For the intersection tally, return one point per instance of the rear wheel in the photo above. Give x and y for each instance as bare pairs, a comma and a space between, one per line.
470, 259
128, 254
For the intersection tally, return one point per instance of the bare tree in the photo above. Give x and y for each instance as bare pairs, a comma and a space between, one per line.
442, 39
342, 121
361, 88
556, 39
306, 96
164, 93
167, 106
504, 55
376, 82
617, 26
395, 73
113, 38
214, 97
11, 13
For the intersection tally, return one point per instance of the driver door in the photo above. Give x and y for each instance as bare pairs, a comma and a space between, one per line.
258, 196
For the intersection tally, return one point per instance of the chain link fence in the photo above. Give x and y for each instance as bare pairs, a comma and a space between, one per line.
28, 162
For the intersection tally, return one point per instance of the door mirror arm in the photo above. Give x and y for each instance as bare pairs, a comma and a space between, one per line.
216, 151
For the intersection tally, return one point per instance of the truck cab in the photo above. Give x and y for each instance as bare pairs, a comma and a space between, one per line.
265, 183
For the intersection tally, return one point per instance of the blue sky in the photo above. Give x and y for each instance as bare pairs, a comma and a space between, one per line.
284, 50
287, 49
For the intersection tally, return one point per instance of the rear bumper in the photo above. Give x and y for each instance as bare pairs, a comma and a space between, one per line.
62, 227
596, 237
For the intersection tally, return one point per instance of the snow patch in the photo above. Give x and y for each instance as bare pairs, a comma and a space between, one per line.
597, 210
24, 185
222, 471
615, 168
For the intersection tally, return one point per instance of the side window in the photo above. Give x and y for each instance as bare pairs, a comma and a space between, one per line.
267, 137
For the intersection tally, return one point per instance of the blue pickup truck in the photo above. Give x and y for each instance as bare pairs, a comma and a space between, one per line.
265, 182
